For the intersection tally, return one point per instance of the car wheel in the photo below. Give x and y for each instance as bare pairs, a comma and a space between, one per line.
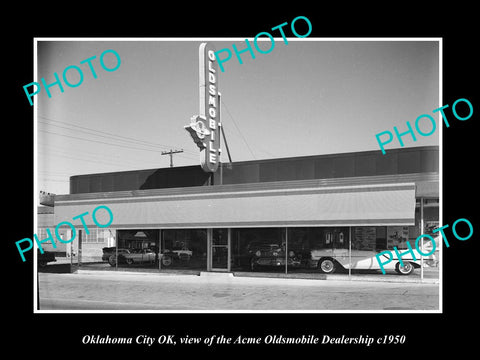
42, 263
112, 261
129, 261
406, 269
167, 260
327, 266
253, 266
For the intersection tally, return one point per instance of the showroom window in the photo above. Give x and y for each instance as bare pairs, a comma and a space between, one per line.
369, 238
184, 249
136, 249
256, 249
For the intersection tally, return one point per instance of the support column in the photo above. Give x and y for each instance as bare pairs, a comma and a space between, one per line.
422, 227
209, 249
349, 252
286, 250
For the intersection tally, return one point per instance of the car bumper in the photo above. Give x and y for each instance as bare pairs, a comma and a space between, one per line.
276, 262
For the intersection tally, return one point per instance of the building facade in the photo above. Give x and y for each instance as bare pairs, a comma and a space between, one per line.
313, 214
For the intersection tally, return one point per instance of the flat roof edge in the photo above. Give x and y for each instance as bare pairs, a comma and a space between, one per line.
277, 185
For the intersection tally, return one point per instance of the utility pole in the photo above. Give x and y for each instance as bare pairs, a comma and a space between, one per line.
171, 152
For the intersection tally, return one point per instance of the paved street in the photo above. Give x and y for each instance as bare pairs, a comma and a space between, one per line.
97, 290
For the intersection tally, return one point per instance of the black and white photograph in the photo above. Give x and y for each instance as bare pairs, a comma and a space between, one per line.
281, 183
273, 181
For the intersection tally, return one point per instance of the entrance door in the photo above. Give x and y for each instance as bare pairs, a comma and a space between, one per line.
219, 249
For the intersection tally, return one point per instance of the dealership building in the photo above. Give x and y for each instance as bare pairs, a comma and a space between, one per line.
269, 215
305, 214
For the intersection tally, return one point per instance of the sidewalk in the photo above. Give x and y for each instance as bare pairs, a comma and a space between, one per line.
218, 292
430, 276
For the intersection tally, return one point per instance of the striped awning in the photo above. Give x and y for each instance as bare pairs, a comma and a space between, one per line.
248, 206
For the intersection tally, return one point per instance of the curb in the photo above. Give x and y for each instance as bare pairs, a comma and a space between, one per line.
265, 276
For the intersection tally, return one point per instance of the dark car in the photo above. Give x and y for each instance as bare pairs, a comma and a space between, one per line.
109, 251
272, 255
45, 258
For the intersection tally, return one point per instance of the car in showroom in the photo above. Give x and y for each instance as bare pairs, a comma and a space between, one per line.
330, 260
138, 256
272, 255
109, 251
182, 254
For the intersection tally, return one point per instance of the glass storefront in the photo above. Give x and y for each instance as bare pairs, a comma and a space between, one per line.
159, 249
315, 247
220, 250
257, 248
184, 249
136, 249
265, 249
279, 250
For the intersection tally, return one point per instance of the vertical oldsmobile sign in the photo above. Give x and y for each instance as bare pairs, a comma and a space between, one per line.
205, 128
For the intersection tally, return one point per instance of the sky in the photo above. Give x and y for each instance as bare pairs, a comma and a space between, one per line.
308, 97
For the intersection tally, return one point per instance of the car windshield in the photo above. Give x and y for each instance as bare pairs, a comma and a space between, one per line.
270, 247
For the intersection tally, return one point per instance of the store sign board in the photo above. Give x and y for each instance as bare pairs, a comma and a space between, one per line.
205, 127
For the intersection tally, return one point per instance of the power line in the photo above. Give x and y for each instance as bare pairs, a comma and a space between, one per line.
106, 134
97, 141
52, 180
238, 129
93, 157
102, 142
45, 157
138, 142
117, 164
53, 173
109, 135
96, 161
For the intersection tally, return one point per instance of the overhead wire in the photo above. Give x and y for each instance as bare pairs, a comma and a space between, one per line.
238, 129
96, 161
91, 156
102, 142
103, 134
94, 156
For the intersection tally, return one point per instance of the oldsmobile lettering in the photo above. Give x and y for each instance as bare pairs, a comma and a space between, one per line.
205, 128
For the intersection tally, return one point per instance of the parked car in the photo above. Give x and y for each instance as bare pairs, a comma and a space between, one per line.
179, 254
45, 258
136, 256
330, 260
272, 255
139, 256
109, 251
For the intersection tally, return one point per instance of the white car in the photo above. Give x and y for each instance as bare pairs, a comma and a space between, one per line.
328, 260
139, 256
131, 256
